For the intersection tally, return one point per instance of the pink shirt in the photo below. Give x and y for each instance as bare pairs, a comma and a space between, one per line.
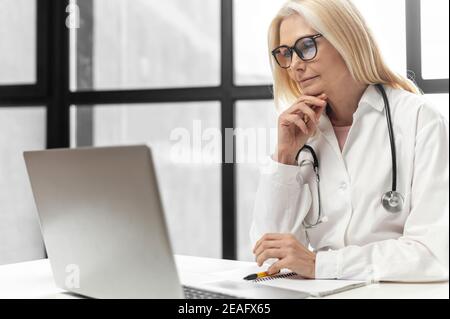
341, 134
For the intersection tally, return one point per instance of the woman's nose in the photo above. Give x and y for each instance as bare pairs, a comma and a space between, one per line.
296, 62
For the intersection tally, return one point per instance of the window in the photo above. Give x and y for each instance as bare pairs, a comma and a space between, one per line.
187, 154
434, 37
18, 44
251, 23
253, 17
390, 31
148, 43
256, 136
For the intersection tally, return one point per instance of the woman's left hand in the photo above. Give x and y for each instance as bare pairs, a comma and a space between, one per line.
289, 251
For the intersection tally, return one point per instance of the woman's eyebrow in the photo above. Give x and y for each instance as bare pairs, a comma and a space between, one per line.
302, 36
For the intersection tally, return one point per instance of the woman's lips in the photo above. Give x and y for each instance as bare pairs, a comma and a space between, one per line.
308, 81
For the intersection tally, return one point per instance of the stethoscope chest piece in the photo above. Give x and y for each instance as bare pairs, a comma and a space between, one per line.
392, 201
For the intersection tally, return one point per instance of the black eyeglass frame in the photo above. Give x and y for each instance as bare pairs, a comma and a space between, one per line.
293, 49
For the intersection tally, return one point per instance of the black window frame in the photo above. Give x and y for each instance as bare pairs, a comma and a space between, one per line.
52, 90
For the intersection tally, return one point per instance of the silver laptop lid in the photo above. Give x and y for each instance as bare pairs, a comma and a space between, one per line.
103, 222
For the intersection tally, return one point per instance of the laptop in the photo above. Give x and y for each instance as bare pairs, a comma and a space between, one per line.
104, 228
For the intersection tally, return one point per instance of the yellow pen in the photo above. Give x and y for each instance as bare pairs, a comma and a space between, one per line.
257, 275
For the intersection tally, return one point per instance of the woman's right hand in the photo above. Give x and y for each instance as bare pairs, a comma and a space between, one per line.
296, 125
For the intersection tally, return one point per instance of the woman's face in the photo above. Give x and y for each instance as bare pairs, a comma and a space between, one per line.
327, 67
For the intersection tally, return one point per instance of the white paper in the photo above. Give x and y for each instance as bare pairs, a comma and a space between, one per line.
297, 283
314, 287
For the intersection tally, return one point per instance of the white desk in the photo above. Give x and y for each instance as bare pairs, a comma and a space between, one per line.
34, 280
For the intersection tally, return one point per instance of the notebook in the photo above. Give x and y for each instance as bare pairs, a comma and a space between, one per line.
292, 281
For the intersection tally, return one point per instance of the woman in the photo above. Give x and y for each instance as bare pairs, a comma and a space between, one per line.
326, 66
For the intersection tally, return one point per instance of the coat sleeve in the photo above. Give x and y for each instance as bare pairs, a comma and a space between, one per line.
421, 254
282, 201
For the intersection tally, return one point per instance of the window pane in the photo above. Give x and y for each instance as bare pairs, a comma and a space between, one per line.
147, 44
251, 23
18, 41
434, 39
389, 31
252, 19
441, 102
255, 141
21, 129
187, 160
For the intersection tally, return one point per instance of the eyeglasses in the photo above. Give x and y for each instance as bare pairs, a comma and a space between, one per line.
305, 48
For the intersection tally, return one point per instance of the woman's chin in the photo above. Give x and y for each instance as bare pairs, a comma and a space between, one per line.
312, 90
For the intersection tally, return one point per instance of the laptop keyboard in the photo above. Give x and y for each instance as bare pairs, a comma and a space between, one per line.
196, 293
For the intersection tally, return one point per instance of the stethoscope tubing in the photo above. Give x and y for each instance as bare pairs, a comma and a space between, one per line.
391, 136
388, 195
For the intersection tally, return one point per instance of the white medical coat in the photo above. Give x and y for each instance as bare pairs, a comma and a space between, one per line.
361, 240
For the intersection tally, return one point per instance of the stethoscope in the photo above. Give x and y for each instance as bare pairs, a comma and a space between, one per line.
392, 200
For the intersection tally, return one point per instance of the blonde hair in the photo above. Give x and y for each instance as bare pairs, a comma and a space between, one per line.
341, 23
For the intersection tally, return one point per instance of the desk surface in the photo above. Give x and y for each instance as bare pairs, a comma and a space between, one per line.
34, 280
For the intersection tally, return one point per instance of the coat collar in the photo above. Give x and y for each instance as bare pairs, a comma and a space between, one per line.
371, 98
